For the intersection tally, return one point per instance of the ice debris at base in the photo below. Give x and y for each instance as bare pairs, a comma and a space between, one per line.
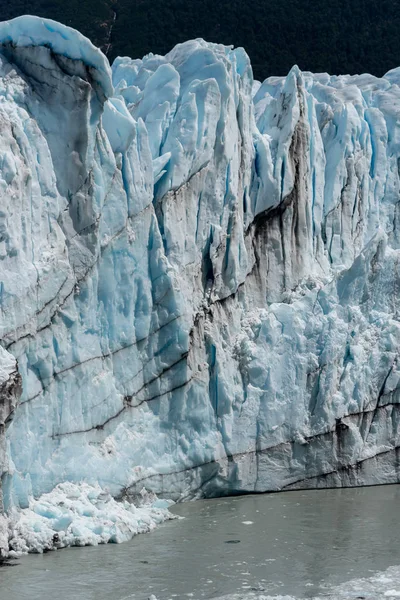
81, 515
381, 586
199, 274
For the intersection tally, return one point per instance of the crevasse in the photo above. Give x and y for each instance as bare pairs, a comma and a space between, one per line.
199, 273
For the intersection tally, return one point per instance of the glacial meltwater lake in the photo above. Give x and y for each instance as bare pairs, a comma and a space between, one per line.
295, 543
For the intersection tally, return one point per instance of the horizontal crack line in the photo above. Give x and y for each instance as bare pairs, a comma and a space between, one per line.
123, 409
101, 357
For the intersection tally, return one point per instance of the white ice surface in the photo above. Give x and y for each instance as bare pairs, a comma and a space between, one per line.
7, 365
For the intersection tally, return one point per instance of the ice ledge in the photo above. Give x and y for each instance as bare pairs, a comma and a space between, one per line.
29, 31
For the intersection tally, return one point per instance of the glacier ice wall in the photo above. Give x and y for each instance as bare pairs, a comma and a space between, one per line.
199, 273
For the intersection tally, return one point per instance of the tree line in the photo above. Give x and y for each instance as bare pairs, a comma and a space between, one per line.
339, 36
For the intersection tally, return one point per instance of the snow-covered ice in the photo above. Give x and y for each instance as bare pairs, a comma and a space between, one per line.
199, 274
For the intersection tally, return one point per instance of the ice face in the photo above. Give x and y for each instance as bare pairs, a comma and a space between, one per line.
199, 274
10, 390
65, 44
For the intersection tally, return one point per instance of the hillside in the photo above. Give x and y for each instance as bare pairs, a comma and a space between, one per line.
337, 36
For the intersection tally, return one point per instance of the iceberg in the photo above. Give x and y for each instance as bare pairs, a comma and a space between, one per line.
199, 273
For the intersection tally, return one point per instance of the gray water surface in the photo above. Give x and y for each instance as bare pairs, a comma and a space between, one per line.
296, 543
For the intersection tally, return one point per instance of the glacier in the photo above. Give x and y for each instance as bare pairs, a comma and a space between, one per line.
199, 273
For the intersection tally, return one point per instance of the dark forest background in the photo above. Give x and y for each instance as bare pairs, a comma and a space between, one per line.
338, 36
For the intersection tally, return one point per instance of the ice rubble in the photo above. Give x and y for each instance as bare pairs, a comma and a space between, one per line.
81, 515
199, 274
